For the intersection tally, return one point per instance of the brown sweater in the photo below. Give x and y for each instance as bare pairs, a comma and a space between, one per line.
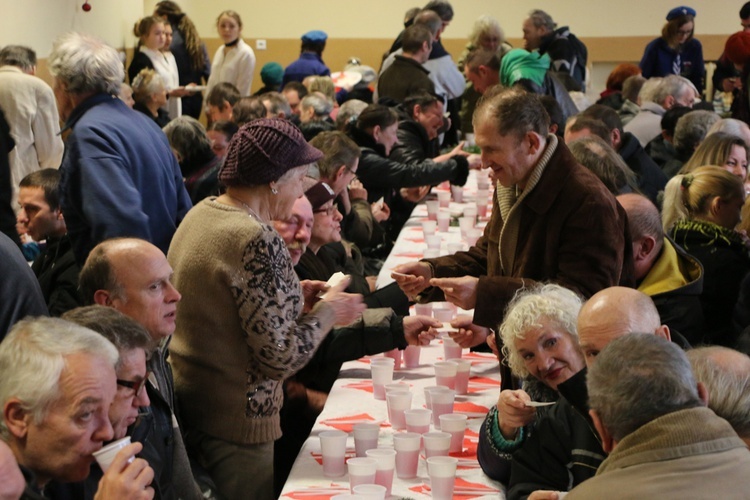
240, 331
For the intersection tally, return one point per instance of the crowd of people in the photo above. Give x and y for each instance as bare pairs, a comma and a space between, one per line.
165, 281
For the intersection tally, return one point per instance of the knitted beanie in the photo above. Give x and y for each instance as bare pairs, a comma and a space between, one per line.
263, 150
320, 194
737, 48
272, 74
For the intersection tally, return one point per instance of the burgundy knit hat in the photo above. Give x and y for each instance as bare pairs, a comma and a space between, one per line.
320, 194
263, 150
737, 48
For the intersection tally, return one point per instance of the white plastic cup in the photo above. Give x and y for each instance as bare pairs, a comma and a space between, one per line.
455, 425
445, 374
465, 224
386, 459
444, 314
463, 373
418, 420
406, 445
451, 349
397, 386
457, 192
432, 253
471, 212
333, 449
483, 182
483, 197
370, 492
432, 209
429, 227
442, 402
106, 455
455, 247
398, 402
444, 198
394, 354
411, 356
427, 391
442, 472
423, 309
433, 241
482, 210
436, 444
443, 221
361, 471
365, 437
382, 374
473, 235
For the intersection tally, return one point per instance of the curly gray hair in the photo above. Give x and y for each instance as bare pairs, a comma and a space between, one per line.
86, 64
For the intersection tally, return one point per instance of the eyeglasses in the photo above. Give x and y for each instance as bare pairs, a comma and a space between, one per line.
136, 386
328, 211
684, 32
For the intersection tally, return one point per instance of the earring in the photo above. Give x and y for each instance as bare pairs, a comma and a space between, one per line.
274, 190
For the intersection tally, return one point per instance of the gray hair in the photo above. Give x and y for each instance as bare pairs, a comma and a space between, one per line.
730, 126
728, 384
483, 25
147, 83
19, 56
320, 104
649, 89
187, 136
540, 18
348, 113
599, 157
692, 128
671, 85
86, 64
123, 331
637, 378
528, 309
277, 103
32, 358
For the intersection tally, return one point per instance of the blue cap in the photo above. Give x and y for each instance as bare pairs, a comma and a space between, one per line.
315, 36
680, 11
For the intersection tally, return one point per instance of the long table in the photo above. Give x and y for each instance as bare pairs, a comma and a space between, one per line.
351, 401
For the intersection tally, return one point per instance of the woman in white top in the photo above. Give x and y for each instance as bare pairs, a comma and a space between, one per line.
151, 39
234, 62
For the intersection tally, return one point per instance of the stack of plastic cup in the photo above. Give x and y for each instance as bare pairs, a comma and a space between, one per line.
398, 402
436, 444
386, 459
333, 449
361, 471
463, 373
365, 437
455, 425
382, 374
442, 472
407, 445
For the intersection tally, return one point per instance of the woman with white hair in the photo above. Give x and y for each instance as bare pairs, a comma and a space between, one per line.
150, 96
540, 344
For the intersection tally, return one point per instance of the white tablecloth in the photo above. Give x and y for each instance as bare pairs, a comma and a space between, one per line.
351, 401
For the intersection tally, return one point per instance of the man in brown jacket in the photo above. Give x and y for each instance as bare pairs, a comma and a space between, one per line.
552, 220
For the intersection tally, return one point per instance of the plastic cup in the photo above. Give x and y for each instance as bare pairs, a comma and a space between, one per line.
451, 349
463, 373
455, 425
465, 224
398, 402
432, 209
444, 198
436, 444
370, 492
445, 374
433, 241
457, 192
429, 227
427, 390
442, 403
483, 182
444, 314
406, 445
365, 437
471, 212
411, 356
345, 496
455, 247
442, 472
333, 449
386, 459
382, 374
397, 386
423, 309
443, 221
106, 455
361, 471
482, 210
469, 140
483, 197
432, 253
394, 354
418, 420
473, 235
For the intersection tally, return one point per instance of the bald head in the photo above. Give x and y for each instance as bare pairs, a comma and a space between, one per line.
726, 375
646, 232
612, 313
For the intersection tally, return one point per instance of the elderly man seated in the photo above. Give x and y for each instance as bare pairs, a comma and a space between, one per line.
652, 418
58, 386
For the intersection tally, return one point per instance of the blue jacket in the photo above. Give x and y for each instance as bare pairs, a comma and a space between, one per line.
118, 177
307, 64
658, 58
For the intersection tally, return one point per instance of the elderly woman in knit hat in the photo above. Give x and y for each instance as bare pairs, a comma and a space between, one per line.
245, 322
